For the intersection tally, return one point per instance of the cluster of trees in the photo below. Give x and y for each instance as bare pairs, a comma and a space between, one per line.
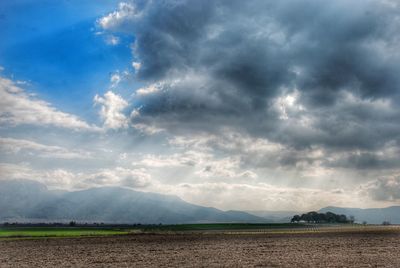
328, 217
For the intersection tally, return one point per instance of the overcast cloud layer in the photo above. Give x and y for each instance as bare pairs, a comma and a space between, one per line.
234, 104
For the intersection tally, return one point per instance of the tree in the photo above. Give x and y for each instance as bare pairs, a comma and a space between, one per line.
316, 217
330, 217
296, 218
342, 219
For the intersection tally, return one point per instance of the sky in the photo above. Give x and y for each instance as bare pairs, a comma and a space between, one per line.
246, 105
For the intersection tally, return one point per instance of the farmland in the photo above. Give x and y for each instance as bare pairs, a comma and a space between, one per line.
301, 247
38, 232
21, 231
43, 231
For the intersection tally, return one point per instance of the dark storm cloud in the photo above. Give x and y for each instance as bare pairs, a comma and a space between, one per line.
168, 34
225, 64
336, 45
258, 44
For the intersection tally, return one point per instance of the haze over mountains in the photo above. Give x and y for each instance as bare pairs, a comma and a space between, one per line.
369, 215
25, 201
31, 201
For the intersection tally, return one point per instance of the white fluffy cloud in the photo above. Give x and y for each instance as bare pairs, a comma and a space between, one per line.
134, 178
153, 88
66, 179
11, 145
20, 108
57, 178
118, 17
112, 106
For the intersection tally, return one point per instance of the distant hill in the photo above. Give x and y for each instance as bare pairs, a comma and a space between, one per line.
370, 215
274, 216
30, 201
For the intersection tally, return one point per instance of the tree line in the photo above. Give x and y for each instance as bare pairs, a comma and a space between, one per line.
328, 217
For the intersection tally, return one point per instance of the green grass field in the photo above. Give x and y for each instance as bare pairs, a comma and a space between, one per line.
57, 231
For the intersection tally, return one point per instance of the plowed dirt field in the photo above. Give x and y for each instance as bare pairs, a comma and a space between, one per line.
380, 249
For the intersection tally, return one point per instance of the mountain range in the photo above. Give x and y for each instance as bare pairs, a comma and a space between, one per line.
31, 201
369, 215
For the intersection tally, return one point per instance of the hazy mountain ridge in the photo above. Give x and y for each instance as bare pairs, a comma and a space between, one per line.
274, 216
25, 200
369, 215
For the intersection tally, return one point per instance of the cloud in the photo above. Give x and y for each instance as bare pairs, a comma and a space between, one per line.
112, 106
200, 164
56, 178
59, 178
273, 72
148, 90
136, 65
112, 40
384, 189
134, 178
159, 161
237, 104
248, 152
21, 108
261, 196
115, 79
15, 146
117, 18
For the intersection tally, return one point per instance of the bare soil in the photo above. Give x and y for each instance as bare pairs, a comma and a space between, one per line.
207, 250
